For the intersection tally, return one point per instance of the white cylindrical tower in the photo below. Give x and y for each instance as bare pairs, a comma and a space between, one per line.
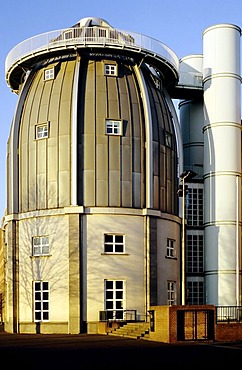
222, 162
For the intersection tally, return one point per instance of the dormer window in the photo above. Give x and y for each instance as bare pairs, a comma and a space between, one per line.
41, 131
110, 69
49, 74
114, 127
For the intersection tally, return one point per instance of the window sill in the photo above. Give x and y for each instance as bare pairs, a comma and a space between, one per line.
116, 254
41, 255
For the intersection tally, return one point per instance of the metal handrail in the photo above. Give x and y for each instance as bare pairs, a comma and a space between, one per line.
229, 314
126, 315
88, 36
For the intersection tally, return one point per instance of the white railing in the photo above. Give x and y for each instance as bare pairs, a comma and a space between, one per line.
85, 36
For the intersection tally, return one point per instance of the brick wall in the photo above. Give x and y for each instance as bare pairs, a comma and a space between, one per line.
166, 324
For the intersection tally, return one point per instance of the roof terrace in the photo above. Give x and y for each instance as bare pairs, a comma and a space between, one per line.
24, 55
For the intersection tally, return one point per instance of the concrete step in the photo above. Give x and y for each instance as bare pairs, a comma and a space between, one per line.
132, 330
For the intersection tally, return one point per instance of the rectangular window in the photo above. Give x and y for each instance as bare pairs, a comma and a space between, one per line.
114, 127
194, 252
40, 246
114, 299
113, 243
110, 69
194, 209
49, 74
170, 248
171, 293
42, 131
195, 291
41, 301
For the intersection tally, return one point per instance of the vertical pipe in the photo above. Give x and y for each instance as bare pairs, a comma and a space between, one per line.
183, 257
147, 265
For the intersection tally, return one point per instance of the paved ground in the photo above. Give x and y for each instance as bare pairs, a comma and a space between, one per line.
89, 352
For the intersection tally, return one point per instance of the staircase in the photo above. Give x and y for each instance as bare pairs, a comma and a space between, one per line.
136, 330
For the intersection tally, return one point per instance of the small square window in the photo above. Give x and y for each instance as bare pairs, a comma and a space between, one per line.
114, 127
40, 246
49, 74
113, 243
42, 131
110, 69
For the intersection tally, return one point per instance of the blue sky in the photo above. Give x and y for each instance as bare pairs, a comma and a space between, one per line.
178, 24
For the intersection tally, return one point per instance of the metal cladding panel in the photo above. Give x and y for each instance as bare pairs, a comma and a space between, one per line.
102, 158
126, 163
164, 153
114, 184
123, 100
41, 174
106, 155
45, 163
114, 149
112, 98
126, 176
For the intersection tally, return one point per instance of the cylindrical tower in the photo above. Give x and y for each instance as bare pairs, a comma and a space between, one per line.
191, 114
222, 162
92, 178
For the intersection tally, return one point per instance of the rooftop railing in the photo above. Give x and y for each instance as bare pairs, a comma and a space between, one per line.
88, 36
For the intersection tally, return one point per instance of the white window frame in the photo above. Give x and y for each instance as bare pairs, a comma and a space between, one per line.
196, 291
113, 243
41, 299
42, 131
170, 248
195, 251
49, 74
114, 127
40, 246
110, 69
114, 299
171, 293
195, 204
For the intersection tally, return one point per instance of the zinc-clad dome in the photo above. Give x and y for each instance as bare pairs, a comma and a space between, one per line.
80, 163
